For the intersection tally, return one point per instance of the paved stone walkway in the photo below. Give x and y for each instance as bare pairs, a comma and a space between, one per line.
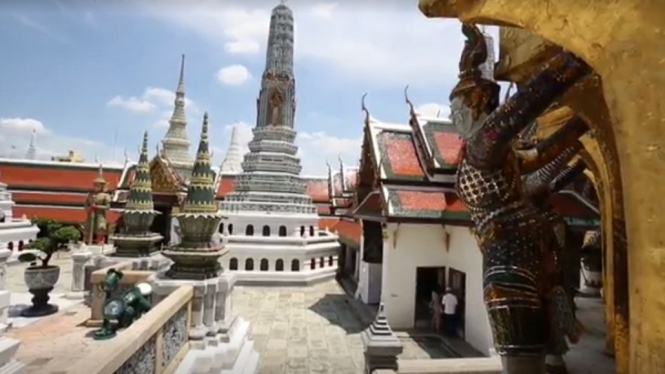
310, 330
302, 329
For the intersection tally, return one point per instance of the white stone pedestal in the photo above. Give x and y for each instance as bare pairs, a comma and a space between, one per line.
8, 347
79, 260
4, 257
219, 338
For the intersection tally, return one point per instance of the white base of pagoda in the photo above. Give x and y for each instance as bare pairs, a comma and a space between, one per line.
277, 264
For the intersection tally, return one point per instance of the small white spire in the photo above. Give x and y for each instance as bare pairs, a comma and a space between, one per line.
232, 163
31, 154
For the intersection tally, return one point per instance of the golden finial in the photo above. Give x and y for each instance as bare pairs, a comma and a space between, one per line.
328, 165
412, 111
100, 176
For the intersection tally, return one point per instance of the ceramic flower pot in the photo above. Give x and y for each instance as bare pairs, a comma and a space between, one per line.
39, 278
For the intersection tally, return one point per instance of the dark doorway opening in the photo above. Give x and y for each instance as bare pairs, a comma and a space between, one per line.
428, 279
162, 224
457, 282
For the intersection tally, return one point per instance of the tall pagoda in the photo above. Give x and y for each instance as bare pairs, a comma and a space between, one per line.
271, 181
175, 145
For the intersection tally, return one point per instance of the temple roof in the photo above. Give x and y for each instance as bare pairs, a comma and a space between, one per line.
56, 176
73, 215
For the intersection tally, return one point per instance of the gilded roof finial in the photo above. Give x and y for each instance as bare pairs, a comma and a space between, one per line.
329, 167
412, 111
339, 158
181, 78
100, 176
364, 108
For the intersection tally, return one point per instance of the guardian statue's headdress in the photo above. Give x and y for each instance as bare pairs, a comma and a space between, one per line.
479, 94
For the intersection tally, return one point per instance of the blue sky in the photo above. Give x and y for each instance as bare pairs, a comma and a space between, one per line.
64, 62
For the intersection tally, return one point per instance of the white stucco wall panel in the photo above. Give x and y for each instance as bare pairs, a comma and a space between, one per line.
409, 246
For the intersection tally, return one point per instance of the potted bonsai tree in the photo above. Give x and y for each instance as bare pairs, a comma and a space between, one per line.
40, 276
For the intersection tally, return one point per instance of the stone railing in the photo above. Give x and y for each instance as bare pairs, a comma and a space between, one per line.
129, 280
156, 343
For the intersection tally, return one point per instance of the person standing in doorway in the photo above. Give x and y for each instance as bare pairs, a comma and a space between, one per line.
449, 303
436, 310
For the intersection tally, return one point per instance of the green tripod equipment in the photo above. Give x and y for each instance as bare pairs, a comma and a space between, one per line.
121, 312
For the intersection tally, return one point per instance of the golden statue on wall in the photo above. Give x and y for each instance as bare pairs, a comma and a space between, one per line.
96, 205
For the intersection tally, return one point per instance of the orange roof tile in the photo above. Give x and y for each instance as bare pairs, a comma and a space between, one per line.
48, 198
450, 147
348, 229
226, 185
56, 177
317, 189
70, 215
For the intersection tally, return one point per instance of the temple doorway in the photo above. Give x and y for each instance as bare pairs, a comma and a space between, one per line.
457, 282
162, 224
428, 279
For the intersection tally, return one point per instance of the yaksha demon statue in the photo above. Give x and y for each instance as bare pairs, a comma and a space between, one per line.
523, 293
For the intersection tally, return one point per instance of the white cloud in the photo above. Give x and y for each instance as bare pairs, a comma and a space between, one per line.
324, 10
22, 126
133, 104
433, 110
16, 138
233, 75
393, 46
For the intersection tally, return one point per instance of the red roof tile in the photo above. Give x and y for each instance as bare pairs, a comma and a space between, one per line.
399, 153
327, 223
323, 209
348, 229
62, 176
421, 200
450, 146
317, 189
48, 197
226, 185
70, 215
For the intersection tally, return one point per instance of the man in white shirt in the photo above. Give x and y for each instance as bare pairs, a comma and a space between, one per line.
449, 302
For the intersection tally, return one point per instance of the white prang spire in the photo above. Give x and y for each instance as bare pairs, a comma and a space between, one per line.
175, 143
31, 154
232, 163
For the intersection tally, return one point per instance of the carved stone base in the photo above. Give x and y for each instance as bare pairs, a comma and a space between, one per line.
194, 264
40, 306
136, 245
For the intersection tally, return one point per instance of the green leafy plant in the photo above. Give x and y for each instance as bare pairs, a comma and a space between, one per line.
52, 237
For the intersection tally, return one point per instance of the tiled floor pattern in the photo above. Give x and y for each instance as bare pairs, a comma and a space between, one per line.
308, 330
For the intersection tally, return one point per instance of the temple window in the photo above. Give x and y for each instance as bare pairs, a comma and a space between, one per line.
311, 231
330, 261
322, 262
312, 264
230, 228
249, 264
221, 228
10, 246
282, 230
266, 230
279, 265
302, 230
295, 265
20, 245
264, 265
233, 264
249, 230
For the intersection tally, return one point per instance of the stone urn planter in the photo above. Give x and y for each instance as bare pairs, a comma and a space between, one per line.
40, 276
40, 281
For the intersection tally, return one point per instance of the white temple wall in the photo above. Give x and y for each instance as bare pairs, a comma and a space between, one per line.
295, 225
409, 246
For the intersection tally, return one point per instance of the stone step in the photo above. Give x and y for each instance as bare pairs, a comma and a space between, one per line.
243, 363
